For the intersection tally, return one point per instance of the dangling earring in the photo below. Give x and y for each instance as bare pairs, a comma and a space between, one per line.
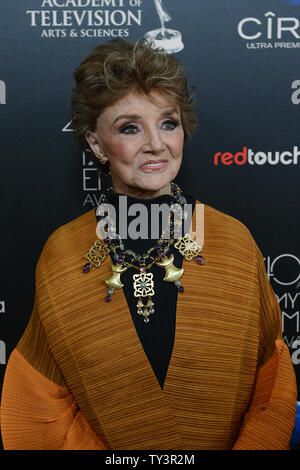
101, 158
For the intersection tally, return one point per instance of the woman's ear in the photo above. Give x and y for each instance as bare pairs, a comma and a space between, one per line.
92, 140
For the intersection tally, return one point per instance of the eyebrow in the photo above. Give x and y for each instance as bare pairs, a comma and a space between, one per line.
136, 117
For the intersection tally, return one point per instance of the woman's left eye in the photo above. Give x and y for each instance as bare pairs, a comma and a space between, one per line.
169, 125
129, 129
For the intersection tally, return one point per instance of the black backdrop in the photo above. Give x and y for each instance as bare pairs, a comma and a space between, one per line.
242, 58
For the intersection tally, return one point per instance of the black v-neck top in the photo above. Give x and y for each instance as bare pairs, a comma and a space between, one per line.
157, 336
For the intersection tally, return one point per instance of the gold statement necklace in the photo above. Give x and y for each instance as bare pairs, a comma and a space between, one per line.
143, 283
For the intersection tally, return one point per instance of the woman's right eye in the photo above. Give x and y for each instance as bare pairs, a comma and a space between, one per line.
129, 129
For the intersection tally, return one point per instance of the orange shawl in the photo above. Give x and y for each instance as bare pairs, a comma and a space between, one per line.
79, 377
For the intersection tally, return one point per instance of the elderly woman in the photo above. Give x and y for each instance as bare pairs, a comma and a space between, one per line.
157, 341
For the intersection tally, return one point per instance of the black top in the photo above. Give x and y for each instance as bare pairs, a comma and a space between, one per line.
157, 336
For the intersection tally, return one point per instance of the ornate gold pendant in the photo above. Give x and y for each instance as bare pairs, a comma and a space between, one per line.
188, 247
144, 287
97, 253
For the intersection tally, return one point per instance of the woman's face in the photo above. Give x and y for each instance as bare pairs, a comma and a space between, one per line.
143, 141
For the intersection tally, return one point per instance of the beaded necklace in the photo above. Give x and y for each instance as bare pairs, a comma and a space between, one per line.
143, 283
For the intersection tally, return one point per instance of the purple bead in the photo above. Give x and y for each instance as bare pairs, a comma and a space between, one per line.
87, 267
142, 269
108, 298
106, 240
200, 259
120, 261
181, 289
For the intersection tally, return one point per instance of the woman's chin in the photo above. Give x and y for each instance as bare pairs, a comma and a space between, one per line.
155, 181
146, 184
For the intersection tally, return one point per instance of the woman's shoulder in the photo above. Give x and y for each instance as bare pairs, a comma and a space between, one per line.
223, 228
74, 235
222, 220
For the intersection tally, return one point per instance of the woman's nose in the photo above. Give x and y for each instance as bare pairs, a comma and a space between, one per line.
153, 141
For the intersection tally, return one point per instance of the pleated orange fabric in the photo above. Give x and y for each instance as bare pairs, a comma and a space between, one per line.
225, 363
40, 414
269, 421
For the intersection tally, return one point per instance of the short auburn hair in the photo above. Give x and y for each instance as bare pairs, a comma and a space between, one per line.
116, 68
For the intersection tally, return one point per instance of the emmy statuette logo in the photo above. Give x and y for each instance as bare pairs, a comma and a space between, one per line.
168, 39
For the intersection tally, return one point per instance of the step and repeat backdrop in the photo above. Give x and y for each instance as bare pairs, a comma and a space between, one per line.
241, 57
